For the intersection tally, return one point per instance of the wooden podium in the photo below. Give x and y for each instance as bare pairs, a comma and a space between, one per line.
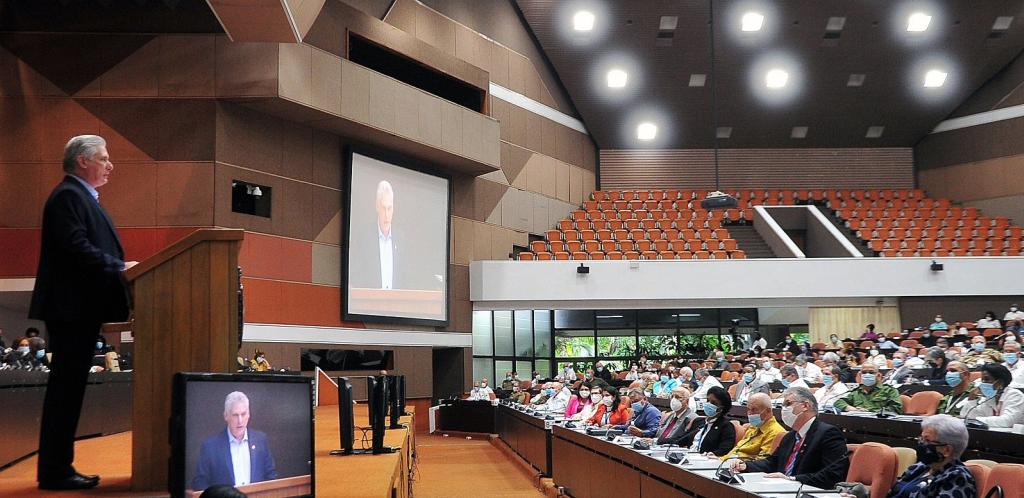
186, 320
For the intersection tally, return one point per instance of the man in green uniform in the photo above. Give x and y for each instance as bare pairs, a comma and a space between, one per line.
870, 396
959, 378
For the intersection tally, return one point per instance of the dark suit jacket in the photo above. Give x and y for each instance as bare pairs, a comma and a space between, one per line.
824, 446
215, 461
80, 261
721, 437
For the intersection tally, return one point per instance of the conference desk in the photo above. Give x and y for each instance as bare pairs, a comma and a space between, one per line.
467, 416
529, 436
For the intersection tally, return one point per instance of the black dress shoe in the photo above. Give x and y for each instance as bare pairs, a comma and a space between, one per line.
76, 481
89, 477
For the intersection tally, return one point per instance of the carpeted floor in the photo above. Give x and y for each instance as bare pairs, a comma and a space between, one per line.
108, 456
460, 467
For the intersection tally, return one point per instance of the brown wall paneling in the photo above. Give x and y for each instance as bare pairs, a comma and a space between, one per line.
499, 68
850, 322
246, 68
130, 197
18, 78
355, 92
758, 168
982, 179
382, 103
326, 264
975, 143
326, 79
1012, 207
184, 193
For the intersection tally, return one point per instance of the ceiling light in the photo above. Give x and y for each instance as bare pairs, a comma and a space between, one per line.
856, 79
646, 131
918, 22
698, 79
723, 132
798, 132
875, 131
668, 23
1002, 23
934, 78
751, 21
776, 78
616, 78
583, 21
835, 24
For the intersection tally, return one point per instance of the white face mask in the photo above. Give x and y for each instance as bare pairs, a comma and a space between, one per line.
788, 417
596, 398
874, 352
608, 401
584, 394
676, 404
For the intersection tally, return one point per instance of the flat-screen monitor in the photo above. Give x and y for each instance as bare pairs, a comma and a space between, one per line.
332, 360
396, 241
263, 419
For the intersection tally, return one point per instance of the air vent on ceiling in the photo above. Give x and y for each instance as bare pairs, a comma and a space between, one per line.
856, 79
698, 79
1000, 27
723, 132
798, 132
666, 31
875, 132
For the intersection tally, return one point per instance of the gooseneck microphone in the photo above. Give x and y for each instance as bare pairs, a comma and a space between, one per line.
977, 424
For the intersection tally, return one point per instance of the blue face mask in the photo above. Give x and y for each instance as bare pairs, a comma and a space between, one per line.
755, 420
40, 354
868, 379
700, 382
978, 346
99, 345
710, 410
953, 379
785, 382
1011, 358
827, 380
637, 407
987, 389
898, 362
664, 378
748, 378
23, 350
549, 392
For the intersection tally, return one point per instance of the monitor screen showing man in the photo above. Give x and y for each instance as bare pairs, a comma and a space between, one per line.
238, 455
397, 242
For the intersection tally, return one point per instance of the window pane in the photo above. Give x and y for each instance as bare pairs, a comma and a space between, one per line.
482, 344
500, 367
574, 343
543, 367
616, 343
661, 319
574, 319
691, 341
619, 319
482, 367
502, 333
524, 369
697, 318
542, 333
524, 333
657, 342
746, 316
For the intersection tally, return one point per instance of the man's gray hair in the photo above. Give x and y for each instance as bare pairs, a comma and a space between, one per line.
82, 145
788, 370
803, 394
233, 399
831, 357
637, 391
701, 372
801, 359
384, 188
936, 352
836, 372
949, 430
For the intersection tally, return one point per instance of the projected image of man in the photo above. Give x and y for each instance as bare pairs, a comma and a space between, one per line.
236, 456
385, 205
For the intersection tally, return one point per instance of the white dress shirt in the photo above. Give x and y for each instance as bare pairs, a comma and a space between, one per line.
799, 383
769, 376
810, 372
387, 259
702, 391
560, 401
1017, 370
240, 458
1004, 412
1013, 315
826, 397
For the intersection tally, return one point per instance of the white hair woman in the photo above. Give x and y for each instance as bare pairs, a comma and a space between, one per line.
938, 473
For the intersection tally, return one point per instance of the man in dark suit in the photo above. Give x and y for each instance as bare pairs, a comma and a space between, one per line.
79, 286
813, 453
236, 456
377, 265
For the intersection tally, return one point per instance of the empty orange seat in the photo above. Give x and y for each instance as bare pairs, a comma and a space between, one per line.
580, 255
596, 255
701, 255
573, 246
538, 246
719, 255
544, 256
631, 255
561, 256
666, 255
526, 256
649, 255
614, 255
643, 245
591, 245
738, 254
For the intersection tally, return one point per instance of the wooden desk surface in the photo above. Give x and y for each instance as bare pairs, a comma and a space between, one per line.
370, 476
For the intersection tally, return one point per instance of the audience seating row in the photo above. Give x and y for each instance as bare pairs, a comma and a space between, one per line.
630, 255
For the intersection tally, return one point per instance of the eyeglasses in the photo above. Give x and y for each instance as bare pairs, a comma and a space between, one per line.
932, 443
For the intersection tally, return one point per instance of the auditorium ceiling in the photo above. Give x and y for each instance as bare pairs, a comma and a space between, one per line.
850, 67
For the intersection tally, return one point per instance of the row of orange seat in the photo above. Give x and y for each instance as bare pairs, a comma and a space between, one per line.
630, 255
639, 245
660, 214
945, 253
798, 194
648, 224
993, 243
939, 233
639, 233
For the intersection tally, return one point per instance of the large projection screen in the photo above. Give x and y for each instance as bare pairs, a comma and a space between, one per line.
396, 242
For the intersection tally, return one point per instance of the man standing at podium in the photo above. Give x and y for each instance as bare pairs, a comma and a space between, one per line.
79, 286
236, 456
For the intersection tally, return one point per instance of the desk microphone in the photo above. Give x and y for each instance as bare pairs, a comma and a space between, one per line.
728, 476
881, 413
827, 467
977, 424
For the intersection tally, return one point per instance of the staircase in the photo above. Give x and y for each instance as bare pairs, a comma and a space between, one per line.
748, 240
859, 244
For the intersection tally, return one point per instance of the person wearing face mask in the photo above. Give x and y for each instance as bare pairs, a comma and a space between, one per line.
980, 354
989, 322
474, 394
876, 358
664, 386
833, 388
813, 453
519, 395
788, 345
485, 389
1011, 358
612, 410
1013, 318
808, 370
718, 435
870, 396
680, 424
259, 362
705, 382
768, 373
790, 377
938, 473
536, 380
569, 373
757, 441
602, 372
834, 342
506, 385
937, 360
748, 384
900, 373
832, 359
558, 398
633, 374
759, 343
542, 396
644, 419
993, 402
938, 324
959, 378
581, 405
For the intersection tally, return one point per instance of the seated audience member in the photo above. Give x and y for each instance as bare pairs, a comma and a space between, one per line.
685, 378
788, 345
718, 435
476, 394
808, 371
759, 343
485, 390
1013, 318
832, 359
645, 418
558, 398
568, 373
768, 373
869, 333
980, 354
576, 401
938, 324
680, 424
757, 441
664, 386
602, 372
913, 361
542, 396
994, 402
876, 358
937, 360
648, 379
959, 378
612, 411
900, 373
720, 361
1011, 358
887, 343
519, 396
748, 384
634, 373
31, 332
989, 322
813, 453
833, 389
834, 342
506, 385
790, 377
590, 399
259, 362
705, 382
869, 396
536, 379
594, 380
938, 473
